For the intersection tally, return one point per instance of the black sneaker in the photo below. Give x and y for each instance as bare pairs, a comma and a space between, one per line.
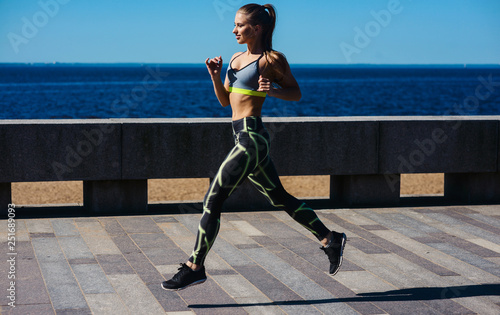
334, 251
184, 278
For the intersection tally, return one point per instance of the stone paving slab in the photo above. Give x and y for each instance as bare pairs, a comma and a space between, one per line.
434, 260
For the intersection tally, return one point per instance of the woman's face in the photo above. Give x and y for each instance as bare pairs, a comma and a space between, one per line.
244, 32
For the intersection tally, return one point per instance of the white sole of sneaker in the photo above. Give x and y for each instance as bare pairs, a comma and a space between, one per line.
189, 285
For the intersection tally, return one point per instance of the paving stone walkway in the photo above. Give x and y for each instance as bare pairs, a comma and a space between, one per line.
435, 260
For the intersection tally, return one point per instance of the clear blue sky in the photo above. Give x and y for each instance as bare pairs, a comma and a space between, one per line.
327, 31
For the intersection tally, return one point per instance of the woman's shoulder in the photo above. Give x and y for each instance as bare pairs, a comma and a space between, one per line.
236, 54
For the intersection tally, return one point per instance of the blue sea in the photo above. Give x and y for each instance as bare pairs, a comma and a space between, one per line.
57, 91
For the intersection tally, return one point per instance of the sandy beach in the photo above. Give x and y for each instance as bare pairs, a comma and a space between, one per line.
194, 189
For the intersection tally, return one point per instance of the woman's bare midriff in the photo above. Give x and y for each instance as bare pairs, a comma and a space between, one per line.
245, 105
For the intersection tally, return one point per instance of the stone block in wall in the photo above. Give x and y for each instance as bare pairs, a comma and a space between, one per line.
472, 188
175, 149
498, 148
323, 146
115, 196
59, 150
365, 190
438, 146
5, 197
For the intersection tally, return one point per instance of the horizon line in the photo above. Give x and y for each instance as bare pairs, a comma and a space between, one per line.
55, 63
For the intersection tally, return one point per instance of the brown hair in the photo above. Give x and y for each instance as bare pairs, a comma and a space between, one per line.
265, 16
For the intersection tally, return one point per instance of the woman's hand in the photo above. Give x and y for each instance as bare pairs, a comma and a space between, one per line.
265, 85
214, 66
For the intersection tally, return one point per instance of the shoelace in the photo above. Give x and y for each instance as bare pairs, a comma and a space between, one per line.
183, 269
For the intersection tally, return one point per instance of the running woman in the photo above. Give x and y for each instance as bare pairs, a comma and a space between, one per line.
252, 75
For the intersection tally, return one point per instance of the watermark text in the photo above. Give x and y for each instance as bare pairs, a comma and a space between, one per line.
11, 254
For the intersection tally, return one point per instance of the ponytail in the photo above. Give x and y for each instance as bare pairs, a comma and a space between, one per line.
267, 34
265, 16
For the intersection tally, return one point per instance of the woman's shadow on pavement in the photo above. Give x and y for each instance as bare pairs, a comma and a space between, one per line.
413, 294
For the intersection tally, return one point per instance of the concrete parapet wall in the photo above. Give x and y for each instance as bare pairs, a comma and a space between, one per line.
51, 150
438, 146
193, 149
174, 149
359, 152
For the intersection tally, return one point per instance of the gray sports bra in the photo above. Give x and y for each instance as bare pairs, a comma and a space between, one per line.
245, 80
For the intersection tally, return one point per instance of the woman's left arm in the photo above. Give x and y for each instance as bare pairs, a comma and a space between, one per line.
289, 91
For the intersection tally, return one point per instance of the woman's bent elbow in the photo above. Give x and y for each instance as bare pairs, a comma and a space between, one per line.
298, 97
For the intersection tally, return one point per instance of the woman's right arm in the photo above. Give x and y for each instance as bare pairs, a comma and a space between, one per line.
214, 67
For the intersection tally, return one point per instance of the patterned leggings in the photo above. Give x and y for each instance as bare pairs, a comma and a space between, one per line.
249, 159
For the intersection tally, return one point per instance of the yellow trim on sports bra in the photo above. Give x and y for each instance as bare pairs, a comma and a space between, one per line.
247, 92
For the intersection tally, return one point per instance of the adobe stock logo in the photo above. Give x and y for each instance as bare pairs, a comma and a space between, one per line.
48, 10
223, 6
363, 36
